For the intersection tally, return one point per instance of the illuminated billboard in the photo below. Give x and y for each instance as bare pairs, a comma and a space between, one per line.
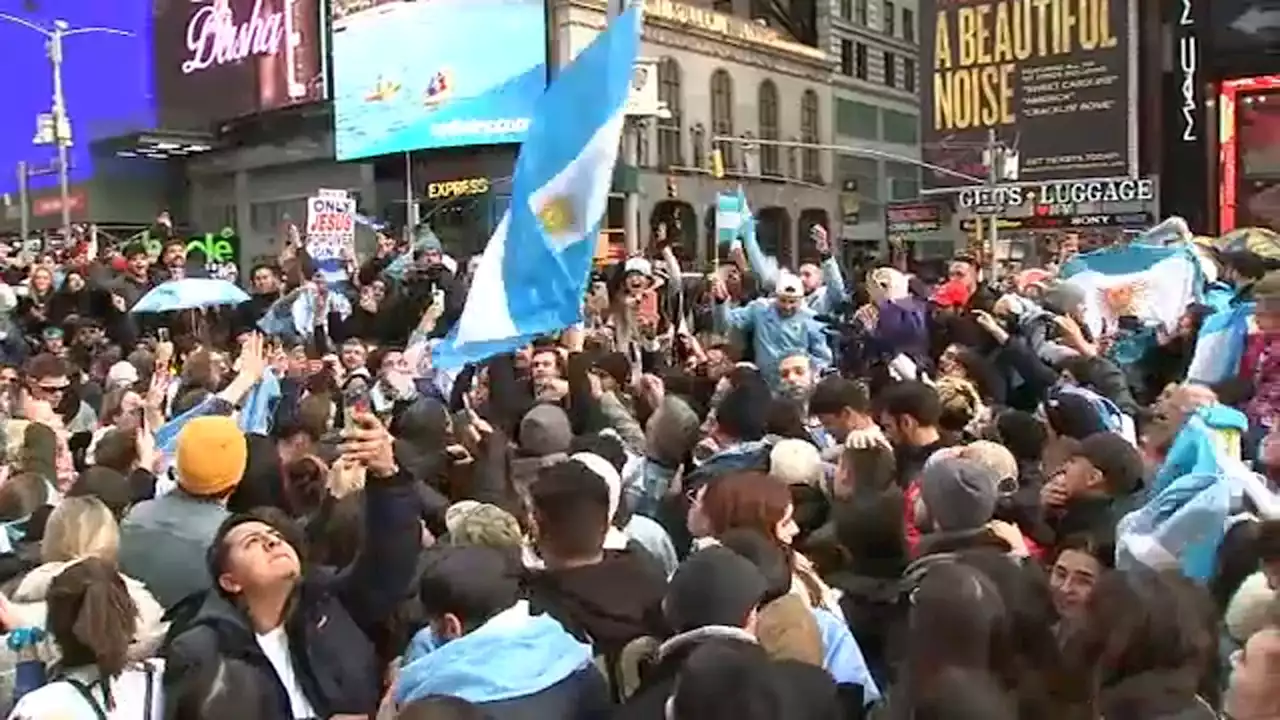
445, 73
216, 60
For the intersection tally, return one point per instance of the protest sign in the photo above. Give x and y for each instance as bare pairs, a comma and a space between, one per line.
331, 232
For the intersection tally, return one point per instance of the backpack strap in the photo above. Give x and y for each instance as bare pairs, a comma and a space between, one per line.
86, 692
149, 696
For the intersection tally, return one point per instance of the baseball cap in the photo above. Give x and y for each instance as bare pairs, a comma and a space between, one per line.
638, 265
789, 286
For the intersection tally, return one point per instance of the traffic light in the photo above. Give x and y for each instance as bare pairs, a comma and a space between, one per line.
717, 163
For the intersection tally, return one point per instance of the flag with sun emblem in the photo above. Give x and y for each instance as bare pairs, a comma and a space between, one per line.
532, 276
1150, 282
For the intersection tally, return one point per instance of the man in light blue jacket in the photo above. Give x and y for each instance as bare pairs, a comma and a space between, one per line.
823, 283
780, 326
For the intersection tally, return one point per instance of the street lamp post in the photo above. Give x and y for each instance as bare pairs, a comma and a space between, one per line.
61, 119
61, 127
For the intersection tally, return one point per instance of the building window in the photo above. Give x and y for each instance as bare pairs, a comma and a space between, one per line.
216, 217
722, 112
908, 74
862, 177
904, 181
670, 143
890, 70
908, 25
860, 61
857, 120
860, 11
810, 158
846, 9
900, 127
268, 217
887, 20
768, 104
724, 6
846, 57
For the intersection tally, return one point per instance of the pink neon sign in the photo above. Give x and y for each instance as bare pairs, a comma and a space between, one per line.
215, 36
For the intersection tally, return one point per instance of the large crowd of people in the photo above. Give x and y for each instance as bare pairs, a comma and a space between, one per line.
754, 493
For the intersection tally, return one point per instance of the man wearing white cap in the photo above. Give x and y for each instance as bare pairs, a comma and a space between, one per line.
780, 327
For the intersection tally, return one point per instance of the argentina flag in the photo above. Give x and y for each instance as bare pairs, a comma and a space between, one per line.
532, 276
1152, 283
1220, 345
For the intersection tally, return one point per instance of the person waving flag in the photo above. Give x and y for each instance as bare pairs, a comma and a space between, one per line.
534, 271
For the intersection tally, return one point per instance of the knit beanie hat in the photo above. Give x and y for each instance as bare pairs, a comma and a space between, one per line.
1247, 612
475, 523
1063, 298
713, 586
211, 456
545, 430
107, 485
424, 238
960, 494
796, 462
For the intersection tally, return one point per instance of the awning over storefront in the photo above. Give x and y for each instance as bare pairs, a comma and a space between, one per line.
157, 144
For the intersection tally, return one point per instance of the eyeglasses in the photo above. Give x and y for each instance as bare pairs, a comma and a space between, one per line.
53, 389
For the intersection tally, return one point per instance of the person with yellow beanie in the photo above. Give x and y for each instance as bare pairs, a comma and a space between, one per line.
211, 455
163, 541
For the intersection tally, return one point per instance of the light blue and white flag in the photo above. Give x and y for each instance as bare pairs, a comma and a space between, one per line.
534, 271
258, 407
732, 216
734, 222
1197, 489
1151, 282
1220, 345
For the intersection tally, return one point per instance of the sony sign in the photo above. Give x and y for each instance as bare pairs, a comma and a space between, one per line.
1188, 64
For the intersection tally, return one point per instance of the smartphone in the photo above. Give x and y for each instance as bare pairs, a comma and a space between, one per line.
162, 334
437, 297
355, 401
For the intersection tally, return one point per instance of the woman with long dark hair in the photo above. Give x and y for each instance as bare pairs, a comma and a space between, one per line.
92, 620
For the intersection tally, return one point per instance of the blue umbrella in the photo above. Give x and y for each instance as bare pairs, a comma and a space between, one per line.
190, 293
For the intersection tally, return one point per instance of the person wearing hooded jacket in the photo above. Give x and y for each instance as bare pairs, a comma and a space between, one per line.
485, 645
712, 600
594, 581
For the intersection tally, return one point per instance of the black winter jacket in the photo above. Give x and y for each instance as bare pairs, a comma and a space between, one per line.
331, 620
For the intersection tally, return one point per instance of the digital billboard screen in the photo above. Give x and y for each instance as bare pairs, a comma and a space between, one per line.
106, 80
1055, 86
443, 73
1249, 162
217, 60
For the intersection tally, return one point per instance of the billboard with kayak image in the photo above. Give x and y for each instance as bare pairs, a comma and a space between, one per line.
421, 74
